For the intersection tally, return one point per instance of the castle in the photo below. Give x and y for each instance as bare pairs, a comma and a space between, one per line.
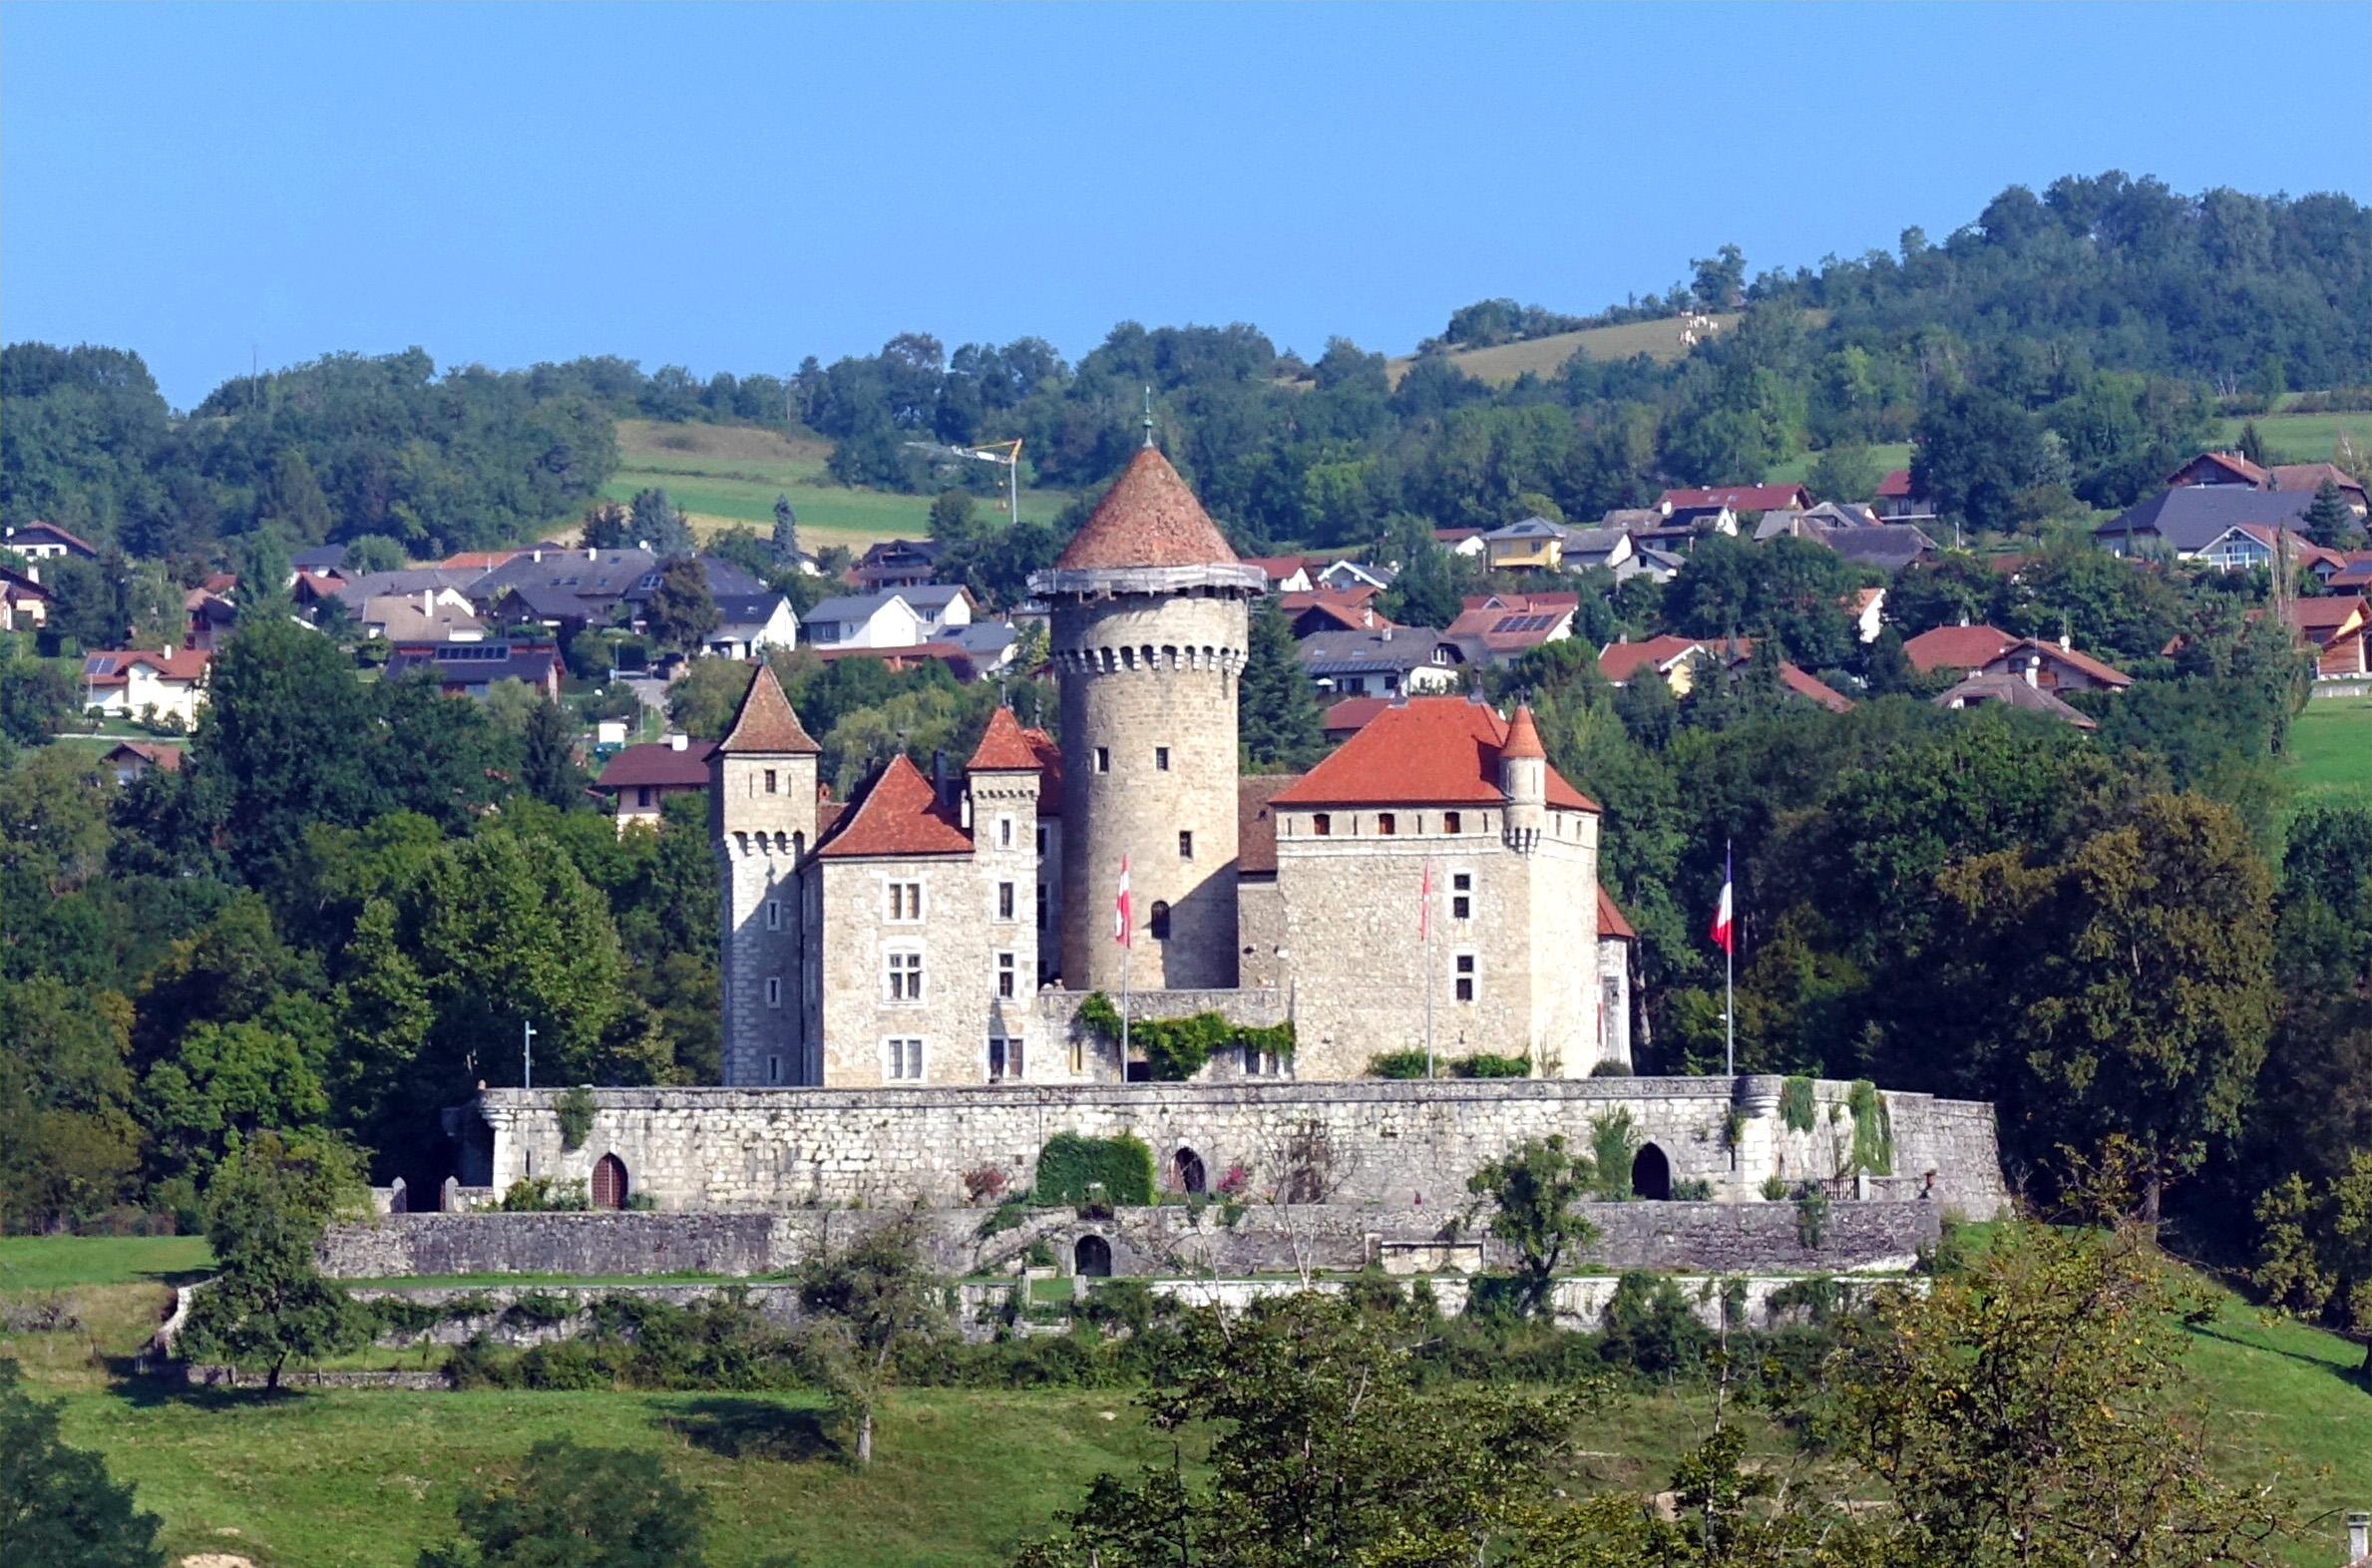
1432, 881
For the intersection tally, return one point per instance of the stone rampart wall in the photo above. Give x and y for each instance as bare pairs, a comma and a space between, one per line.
1165, 1240
1403, 1144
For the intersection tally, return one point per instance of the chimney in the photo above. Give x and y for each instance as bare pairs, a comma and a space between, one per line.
2034, 665
678, 742
2064, 643
592, 553
536, 556
428, 603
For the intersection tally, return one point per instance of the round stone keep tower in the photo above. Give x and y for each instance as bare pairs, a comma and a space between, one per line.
1150, 627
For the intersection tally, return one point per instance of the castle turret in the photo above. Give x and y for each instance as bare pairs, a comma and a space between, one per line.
762, 818
1523, 776
1149, 634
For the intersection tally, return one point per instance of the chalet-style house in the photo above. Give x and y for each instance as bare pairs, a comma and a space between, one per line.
747, 624
1956, 648
639, 779
896, 564
24, 603
2224, 470
2336, 629
41, 541
132, 759
2055, 666
1331, 610
1736, 498
2187, 521
1896, 502
1382, 663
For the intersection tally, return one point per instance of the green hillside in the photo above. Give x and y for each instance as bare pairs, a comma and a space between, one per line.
722, 475
1502, 363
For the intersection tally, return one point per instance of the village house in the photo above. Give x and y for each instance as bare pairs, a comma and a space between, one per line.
132, 759
2016, 692
1381, 662
425, 616
2336, 629
1465, 543
1284, 574
1506, 627
1531, 544
750, 624
1588, 549
471, 669
896, 564
892, 619
1668, 657
43, 541
2055, 666
2185, 520
1331, 610
138, 683
641, 779
2230, 469
24, 603
1896, 502
1347, 574
1956, 648
1734, 499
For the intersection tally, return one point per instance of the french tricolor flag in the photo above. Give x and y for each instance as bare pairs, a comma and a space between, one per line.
1721, 914
1120, 919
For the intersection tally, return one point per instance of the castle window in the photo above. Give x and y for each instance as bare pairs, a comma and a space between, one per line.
772, 786
1386, 823
1004, 833
1042, 838
902, 1059
905, 902
774, 914
1185, 845
1161, 759
1041, 906
1322, 824
773, 991
643, 797
1160, 921
1078, 1056
1004, 901
1104, 759
1449, 822
1465, 977
1005, 974
1462, 882
906, 977
1460, 907
774, 1070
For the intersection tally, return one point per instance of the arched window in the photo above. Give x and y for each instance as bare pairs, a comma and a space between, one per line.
609, 1183
1160, 922
1650, 1174
1189, 1168
1093, 1256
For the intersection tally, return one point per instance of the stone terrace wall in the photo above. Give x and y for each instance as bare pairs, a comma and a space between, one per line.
1170, 1239
1409, 1145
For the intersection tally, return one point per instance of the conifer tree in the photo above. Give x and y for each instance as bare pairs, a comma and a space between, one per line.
2330, 522
1277, 713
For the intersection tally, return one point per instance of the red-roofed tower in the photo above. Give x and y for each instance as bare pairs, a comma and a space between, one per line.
1149, 633
762, 818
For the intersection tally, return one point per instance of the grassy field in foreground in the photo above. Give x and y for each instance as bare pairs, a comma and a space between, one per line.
723, 475
2306, 438
366, 1478
2330, 747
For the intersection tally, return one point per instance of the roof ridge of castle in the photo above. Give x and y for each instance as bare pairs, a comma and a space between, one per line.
766, 721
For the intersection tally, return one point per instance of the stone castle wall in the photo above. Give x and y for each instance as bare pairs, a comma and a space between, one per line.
1167, 1239
1399, 1144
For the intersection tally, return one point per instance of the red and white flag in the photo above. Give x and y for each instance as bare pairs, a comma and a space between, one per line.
1424, 904
1721, 914
1120, 919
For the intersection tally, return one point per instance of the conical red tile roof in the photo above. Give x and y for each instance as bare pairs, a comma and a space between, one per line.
898, 815
1523, 737
766, 721
1148, 519
1003, 749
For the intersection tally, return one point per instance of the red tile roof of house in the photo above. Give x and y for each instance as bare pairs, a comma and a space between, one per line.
1427, 751
1003, 749
1740, 498
658, 763
898, 815
112, 668
1352, 714
167, 757
1619, 661
1513, 622
1353, 609
1804, 685
1279, 568
956, 657
1148, 519
2328, 614
1610, 920
2106, 674
766, 723
479, 560
1955, 647
2309, 476
1896, 486
59, 533
2232, 462
1256, 821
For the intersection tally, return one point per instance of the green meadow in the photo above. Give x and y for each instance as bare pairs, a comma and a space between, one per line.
2330, 747
2308, 438
728, 475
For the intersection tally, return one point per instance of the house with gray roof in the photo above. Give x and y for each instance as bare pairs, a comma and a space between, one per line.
1381, 662
2187, 519
749, 623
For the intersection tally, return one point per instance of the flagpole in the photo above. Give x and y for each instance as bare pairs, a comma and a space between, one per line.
1730, 966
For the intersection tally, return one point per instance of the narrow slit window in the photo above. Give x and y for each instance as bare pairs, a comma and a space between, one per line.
1465, 977
774, 914
1104, 759
1004, 901
773, 991
1185, 845
773, 786
1161, 759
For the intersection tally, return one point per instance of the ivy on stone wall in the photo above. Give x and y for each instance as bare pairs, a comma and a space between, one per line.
575, 1109
1873, 1129
1071, 1169
1176, 1048
1795, 1105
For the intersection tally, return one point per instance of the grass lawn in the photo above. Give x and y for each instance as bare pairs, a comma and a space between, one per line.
55, 1263
721, 476
1797, 469
2274, 1389
1502, 364
2330, 747
2306, 438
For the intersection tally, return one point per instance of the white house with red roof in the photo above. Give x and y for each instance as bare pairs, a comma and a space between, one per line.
145, 684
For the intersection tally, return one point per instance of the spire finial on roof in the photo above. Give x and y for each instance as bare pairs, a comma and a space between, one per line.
1148, 413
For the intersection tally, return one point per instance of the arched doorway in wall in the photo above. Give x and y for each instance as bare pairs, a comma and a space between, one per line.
1650, 1174
608, 1183
1092, 1258
1188, 1166
1160, 921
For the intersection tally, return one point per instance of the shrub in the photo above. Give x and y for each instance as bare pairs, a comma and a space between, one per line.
540, 1195
1397, 1065
1119, 1169
575, 1109
990, 1181
565, 1366
1485, 1066
1693, 1189
1611, 1069
1812, 1215
1614, 1142
580, 1506
1775, 1188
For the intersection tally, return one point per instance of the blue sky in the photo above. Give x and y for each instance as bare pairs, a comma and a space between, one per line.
734, 188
